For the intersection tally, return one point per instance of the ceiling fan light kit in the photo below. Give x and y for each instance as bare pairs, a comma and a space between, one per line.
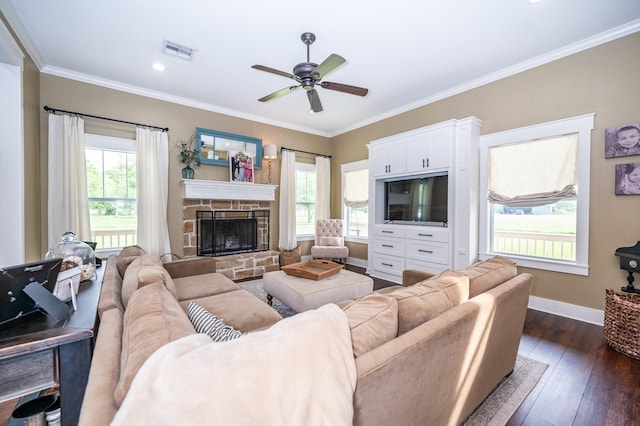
309, 74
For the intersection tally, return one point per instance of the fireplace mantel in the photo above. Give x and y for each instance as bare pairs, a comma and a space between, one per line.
217, 190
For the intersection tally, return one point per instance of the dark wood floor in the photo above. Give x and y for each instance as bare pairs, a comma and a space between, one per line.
587, 383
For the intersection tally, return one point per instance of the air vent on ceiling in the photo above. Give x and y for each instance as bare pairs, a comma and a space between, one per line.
176, 49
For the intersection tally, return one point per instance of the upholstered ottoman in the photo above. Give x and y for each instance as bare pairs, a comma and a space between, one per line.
302, 294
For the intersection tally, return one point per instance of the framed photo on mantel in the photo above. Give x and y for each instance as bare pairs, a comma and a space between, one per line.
240, 167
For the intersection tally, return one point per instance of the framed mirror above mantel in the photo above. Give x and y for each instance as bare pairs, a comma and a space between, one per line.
214, 146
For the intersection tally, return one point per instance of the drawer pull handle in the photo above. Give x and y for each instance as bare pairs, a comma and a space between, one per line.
387, 264
425, 235
387, 232
425, 251
387, 245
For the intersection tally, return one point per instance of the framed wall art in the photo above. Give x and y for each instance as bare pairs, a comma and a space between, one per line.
240, 167
628, 179
622, 141
214, 147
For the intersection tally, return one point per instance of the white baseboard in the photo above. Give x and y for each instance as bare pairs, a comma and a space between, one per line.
580, 313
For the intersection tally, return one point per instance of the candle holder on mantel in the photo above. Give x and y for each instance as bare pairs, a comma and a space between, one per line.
630, 262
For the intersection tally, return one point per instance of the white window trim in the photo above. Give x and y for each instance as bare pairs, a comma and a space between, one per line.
307, 167
583, 125
351, 167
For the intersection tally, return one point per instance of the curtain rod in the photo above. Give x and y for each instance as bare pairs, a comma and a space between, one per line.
54, 110
306, 152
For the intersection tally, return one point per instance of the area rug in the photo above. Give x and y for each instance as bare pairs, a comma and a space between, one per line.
499, 406
255, 287
505, 399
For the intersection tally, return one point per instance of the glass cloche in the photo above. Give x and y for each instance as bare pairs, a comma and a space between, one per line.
74, 253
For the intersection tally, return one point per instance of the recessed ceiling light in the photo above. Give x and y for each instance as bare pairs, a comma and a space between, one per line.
158, 67
534, 1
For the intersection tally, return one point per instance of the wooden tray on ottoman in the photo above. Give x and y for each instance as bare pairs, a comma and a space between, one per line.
313, 269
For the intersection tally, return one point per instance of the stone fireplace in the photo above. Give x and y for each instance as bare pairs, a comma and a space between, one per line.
242, 220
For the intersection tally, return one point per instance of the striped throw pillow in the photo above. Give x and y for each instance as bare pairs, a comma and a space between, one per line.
206, 322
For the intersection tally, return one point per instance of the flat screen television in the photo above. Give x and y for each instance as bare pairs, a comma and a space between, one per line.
417, 201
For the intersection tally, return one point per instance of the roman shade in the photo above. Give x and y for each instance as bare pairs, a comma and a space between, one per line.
356, 188
534, 173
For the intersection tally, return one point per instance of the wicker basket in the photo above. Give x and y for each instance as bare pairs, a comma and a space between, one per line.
288, 257
622, 322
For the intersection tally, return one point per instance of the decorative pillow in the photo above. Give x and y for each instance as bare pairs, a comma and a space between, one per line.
206, 322
127, 255
489, 273
152, 319
145, 270
373, 320
426, 300
331, 241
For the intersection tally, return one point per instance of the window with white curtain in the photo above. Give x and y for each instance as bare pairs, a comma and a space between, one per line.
536, 185
355, 199
111, 182
305, 199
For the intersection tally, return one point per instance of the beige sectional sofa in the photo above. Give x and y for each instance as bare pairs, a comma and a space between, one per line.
427, 352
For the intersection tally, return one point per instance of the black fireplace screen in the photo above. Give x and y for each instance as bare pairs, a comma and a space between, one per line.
224, 232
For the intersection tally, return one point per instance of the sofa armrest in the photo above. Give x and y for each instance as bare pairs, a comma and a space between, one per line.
190, 266
414, 276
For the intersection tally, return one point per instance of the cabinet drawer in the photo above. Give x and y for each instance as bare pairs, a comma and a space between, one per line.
28, 373
390, 264
429, 234
434, 268
428, 252
387, 231
392, 246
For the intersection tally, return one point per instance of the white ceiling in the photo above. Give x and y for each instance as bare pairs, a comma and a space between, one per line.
406, 52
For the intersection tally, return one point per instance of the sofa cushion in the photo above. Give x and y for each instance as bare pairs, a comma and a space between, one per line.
153, 318
127, 255
330, 241
240, 309
196, 286
489, 273
207, 323
145, 270
373, 320
425, 300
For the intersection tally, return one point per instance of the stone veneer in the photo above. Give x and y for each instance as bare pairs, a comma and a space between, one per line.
237, 266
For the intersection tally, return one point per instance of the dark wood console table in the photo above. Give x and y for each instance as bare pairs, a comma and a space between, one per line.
42, 353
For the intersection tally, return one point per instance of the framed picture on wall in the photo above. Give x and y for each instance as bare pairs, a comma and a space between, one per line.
622, 141
628, 179
240, 167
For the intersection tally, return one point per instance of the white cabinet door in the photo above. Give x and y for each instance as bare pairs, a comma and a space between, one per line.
388, 158
429, 151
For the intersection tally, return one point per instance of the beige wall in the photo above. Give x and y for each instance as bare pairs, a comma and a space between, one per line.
604, 80
72, 95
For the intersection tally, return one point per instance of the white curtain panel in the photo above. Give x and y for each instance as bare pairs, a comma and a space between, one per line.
68, 201
287, 229
323, 188
152, 168
534, 173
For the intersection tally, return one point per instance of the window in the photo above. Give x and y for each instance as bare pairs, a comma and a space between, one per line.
536, 208
355, 199
111, 182
305, 199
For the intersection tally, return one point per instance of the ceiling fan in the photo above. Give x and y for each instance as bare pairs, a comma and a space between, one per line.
308, 74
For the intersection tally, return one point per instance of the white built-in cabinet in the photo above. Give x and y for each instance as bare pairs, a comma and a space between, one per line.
451, 147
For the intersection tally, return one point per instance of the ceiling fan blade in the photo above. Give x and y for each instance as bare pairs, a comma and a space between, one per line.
279, 93
277, 72
328, 65
314, 100
353, 90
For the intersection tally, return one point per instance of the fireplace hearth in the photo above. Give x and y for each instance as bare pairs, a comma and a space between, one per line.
227, 232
